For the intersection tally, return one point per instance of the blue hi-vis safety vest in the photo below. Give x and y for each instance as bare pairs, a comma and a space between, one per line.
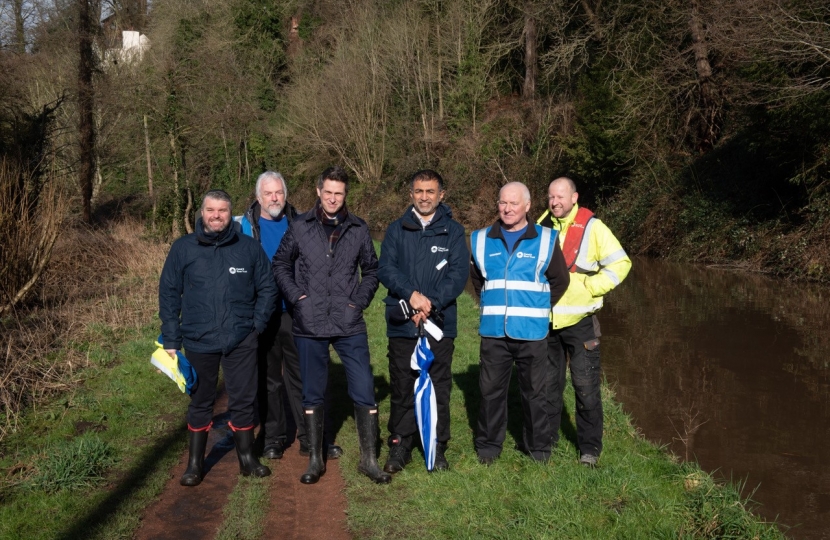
515, 300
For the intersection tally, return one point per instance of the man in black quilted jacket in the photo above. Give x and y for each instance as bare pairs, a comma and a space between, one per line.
326, 269
216, 294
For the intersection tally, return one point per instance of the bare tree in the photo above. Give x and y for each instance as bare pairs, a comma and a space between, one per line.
87, 15
531, 54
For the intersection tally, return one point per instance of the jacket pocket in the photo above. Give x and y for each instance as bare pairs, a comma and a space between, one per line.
579, 294
352, 316
304, 316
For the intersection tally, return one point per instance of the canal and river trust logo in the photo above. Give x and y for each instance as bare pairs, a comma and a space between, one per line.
233, 270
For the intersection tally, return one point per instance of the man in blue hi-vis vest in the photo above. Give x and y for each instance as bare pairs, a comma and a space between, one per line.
519, 273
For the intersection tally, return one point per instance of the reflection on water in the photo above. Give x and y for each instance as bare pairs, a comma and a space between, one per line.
732, 370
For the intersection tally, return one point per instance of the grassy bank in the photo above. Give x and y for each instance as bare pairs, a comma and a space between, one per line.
86, 461
638, 491
91, 430
85, 464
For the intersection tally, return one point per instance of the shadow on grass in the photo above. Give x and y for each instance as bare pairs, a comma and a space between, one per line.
128, 484
223, 445
467, 382
568, 429
340, 405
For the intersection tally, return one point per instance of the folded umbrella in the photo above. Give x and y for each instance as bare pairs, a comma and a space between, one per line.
426, 407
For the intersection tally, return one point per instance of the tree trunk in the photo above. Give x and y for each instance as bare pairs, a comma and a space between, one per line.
593, 17
708, 127
86, 98
440, 72
531, 63
188, 210
177, 194
19, 27
149, 173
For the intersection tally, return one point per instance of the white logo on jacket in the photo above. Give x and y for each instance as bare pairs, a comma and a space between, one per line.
436, 249
233, 270
523, 255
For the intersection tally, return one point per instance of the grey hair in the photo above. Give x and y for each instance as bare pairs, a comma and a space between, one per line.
525, 191
270, 175
218, 195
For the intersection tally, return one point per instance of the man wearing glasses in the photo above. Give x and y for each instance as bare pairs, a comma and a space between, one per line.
519, 273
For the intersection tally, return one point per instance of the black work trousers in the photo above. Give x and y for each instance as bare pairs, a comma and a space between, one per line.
402, 382
580, 343
280, 385
239, 368
496, 364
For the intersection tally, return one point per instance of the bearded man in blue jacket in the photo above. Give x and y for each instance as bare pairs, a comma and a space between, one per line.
216, 294
424, 262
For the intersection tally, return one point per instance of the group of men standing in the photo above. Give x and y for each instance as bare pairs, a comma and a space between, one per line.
266, 298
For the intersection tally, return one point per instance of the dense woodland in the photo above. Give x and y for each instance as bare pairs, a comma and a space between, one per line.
698, 129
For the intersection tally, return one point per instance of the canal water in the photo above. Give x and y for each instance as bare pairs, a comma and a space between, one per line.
732, 370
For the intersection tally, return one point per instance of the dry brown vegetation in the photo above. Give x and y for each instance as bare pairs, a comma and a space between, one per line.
99, 285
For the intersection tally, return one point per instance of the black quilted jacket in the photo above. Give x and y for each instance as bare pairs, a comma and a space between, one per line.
338, 286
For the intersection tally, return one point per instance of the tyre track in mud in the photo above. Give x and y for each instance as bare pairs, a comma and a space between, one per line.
295, 511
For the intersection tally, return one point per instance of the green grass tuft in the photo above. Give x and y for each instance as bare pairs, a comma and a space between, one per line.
246, 510
73, 464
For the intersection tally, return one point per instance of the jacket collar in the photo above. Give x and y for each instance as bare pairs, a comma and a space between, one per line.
254, 211
351, 219
557, 223
410, 221
495, 231
222, 238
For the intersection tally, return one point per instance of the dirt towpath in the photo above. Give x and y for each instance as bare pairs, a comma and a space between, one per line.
296, 511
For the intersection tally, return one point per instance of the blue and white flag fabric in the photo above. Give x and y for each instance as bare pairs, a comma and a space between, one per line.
426, 408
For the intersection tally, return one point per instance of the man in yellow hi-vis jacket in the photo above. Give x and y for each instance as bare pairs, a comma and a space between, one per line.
597, 263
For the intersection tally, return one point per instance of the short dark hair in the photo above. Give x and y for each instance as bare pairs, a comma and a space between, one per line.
218, 195
336, 173
426, 175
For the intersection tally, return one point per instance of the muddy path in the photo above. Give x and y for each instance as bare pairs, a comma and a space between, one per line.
296, 511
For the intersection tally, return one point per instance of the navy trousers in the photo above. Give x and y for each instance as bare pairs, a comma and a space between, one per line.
240, 370
314, 368
402, 382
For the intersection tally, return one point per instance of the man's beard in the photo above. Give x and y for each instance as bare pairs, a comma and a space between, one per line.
209, 230
274, 212
421, 213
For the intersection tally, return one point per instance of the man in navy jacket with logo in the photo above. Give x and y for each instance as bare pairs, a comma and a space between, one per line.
216, 294
519, 272
424, 261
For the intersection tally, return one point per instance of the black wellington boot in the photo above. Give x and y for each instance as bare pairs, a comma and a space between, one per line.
367, 431
314, 420
196, 460
441, 463
249, 465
